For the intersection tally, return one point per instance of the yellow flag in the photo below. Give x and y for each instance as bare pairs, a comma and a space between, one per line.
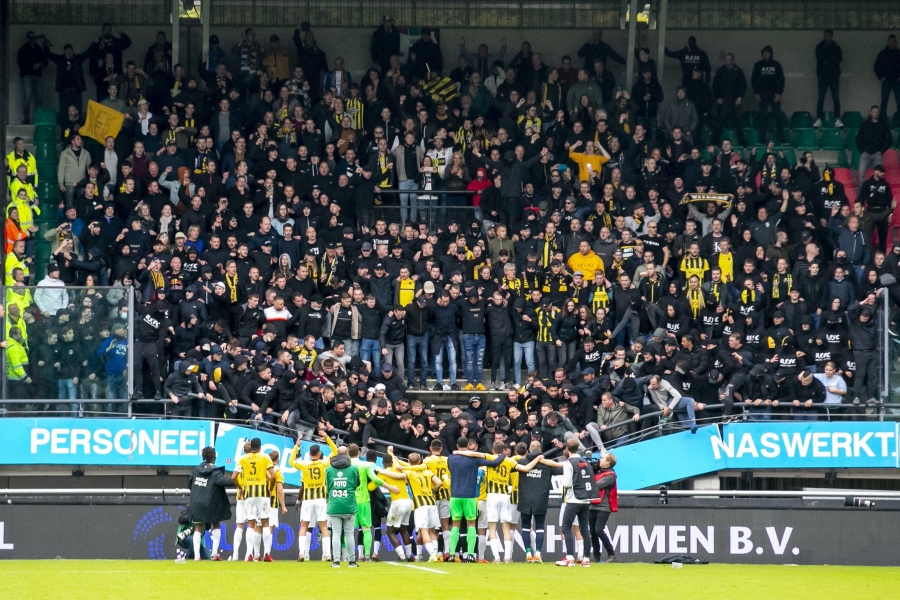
101, 122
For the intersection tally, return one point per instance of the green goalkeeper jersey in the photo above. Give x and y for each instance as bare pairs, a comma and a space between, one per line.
366, 474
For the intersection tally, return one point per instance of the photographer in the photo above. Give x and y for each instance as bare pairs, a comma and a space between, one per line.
607, 502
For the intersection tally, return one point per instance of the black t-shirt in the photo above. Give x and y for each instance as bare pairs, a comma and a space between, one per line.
534, 487
344, 320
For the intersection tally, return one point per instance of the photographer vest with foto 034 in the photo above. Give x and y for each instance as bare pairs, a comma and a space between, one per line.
583, 487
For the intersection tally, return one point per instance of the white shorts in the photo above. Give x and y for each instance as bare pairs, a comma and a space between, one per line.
399, 513
513, 514
443, 508
426, 517
257, 509
498, 508
313, 511
240, 512
273, 516
482, 515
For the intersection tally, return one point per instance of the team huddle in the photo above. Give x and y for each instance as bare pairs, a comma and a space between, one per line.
429, 500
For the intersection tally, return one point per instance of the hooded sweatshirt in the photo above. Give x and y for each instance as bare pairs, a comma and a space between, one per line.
768, 76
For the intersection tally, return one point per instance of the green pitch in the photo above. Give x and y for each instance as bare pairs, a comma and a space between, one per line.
139, 580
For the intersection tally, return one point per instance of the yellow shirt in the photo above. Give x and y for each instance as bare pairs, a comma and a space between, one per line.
587, 264
397, 481
312, 473
498, 477
595, 161
482, 487
726, 265
421, 486
438, 466
273, 489
514, 487
253, 469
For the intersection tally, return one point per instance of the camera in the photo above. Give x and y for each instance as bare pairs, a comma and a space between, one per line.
859, 502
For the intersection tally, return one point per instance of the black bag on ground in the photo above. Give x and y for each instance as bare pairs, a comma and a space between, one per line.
685, 559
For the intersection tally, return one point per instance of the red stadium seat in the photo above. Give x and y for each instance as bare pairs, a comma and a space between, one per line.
892, 175
869, 172
890, 159
850, 192
843, 175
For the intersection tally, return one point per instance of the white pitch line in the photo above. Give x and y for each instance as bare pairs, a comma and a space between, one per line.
395, 564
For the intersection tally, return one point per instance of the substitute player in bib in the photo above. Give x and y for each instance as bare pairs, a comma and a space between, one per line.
341, 482
313, 508
422, 483
276, 502
498, 507
368, 473
240, 516
252, 475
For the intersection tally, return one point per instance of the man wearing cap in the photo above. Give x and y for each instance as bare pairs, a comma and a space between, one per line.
392, 338
181, 384
875, 193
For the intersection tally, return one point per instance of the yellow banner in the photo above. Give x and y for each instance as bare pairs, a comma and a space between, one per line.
101, 122
724, 199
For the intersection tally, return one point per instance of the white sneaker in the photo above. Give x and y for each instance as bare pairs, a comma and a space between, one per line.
180, 560
585, 562
446, 387
566, 562
502, 386
838, 123
818, 123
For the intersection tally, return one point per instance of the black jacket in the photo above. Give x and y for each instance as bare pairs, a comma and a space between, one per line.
828, 60
209, 502
874, 137
767, 77
729, 83
393, 331
887, 64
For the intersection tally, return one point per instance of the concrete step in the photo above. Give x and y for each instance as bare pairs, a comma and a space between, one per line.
26, 132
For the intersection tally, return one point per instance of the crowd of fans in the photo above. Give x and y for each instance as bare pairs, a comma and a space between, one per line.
247, 209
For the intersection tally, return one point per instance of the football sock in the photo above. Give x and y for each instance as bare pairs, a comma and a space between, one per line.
507, 550
302, 545
376, 546
496, 549
471, 539
198, 536
579, 549
216, 535
257, 544
267, 540
238, 537
482, 542
326, 546
454, 541
446, 536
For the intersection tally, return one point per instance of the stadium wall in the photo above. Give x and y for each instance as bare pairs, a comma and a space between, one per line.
725, 533
795, 49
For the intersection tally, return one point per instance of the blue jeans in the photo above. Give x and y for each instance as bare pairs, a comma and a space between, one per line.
67, 391
439, 361
474, 357
370, 350
116, 389
410, 200
686, 405
418, 346
520, 349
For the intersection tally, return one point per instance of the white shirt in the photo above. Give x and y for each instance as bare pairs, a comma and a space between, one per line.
835, 382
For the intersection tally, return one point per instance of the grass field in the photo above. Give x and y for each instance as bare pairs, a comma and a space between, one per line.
137, 580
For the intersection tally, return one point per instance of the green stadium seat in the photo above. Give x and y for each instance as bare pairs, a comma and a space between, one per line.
45, 151
801, 120
831, 139
790, 155
45, 116
854, 158
852, 119
750, 119
842, 159
805, 139
850, 137
895, 122
45, 134
729, 134
751, 136
828, 120
47, 190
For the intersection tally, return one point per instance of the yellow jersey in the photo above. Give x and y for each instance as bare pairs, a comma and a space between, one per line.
253, 470
514, 487
421, 486
273, 489
312, 473
398, 481
482, 486
498, 477
438, 466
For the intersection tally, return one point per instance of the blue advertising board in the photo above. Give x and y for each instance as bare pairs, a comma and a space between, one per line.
230, 441
666, 458
104, 442
807, 445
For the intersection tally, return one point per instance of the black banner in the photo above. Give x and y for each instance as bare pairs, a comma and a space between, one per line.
642, 534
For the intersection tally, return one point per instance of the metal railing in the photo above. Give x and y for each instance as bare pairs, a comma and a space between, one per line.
436, 209
45, 316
